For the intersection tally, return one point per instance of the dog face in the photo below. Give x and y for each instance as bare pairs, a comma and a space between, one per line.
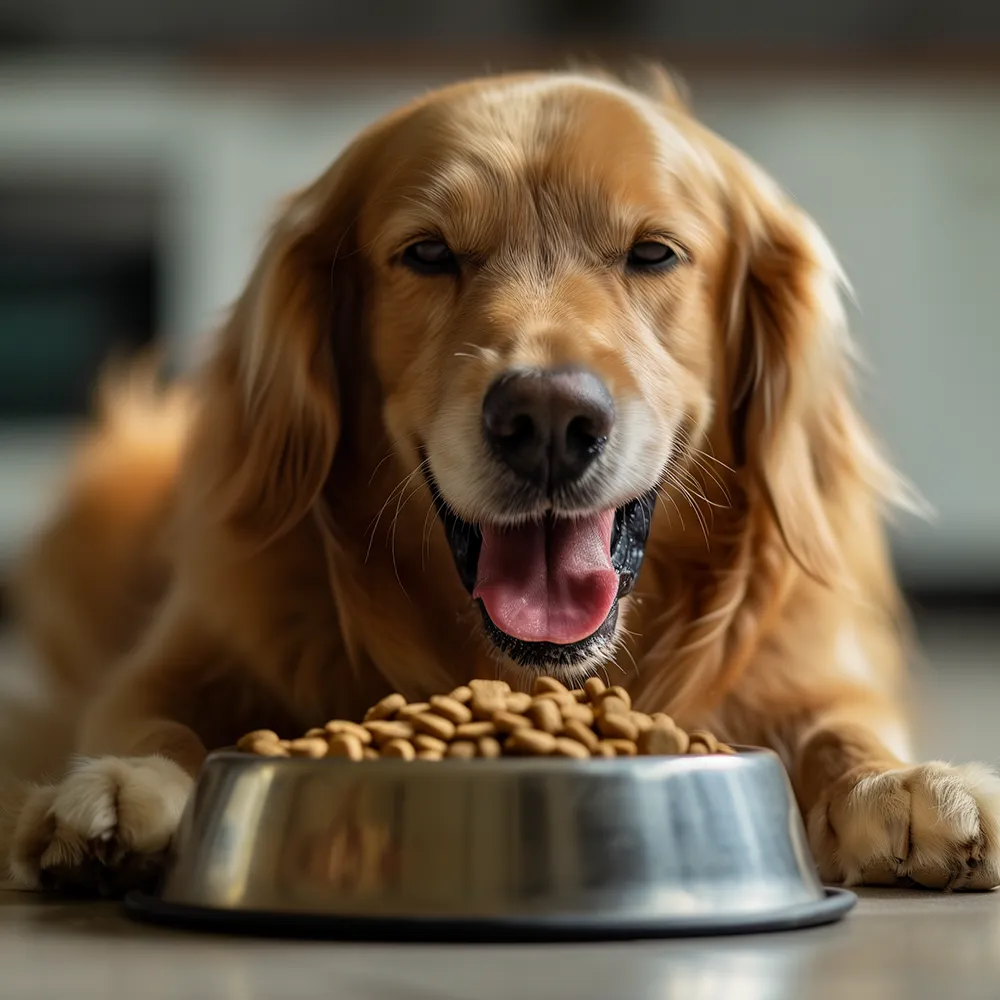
558, 290
544, 331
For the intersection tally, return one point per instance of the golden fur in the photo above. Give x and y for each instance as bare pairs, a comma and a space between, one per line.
306, 574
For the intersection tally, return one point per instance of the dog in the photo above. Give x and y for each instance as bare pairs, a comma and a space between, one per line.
541, 376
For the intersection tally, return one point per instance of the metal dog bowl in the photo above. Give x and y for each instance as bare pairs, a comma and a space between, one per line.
493, 849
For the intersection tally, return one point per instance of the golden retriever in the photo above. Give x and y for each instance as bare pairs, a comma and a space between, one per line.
525, 336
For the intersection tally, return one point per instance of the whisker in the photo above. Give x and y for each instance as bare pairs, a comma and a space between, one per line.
373, 527
698, 457
694, 506
662, 495
628, 652
617, 666
699, 493
698, 462
712, 458
389, 454
425, 540
397, 491
400, 503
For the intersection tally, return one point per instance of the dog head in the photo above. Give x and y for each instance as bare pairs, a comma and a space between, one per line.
553, 292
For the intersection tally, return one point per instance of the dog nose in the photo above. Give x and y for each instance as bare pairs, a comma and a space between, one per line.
548, 426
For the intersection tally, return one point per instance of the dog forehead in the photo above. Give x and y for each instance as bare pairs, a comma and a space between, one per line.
565, 121
477, 150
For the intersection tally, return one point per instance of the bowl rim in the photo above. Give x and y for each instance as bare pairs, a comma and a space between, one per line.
744, 757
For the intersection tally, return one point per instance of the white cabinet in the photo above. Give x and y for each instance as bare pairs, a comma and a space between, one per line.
906, 183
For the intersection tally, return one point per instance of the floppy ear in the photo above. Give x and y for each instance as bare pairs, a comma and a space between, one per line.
794, 429
272, 418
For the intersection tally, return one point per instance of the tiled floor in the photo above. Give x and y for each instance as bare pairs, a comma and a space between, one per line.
894, 945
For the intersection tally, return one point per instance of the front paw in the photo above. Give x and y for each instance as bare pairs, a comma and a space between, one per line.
104, 828
933, 824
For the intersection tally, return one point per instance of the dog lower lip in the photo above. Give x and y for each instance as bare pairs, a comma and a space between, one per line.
630, 530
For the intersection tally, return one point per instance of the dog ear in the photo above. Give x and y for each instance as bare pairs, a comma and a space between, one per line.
272, 418
793, 425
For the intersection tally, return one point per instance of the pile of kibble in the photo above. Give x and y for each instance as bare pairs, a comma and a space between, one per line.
488, 719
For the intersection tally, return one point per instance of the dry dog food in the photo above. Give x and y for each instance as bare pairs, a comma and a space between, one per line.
488, 719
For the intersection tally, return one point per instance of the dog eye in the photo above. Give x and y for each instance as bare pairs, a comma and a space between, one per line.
651, 254
430, 257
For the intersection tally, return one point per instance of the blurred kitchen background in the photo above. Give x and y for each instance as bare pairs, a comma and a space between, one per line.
143, 147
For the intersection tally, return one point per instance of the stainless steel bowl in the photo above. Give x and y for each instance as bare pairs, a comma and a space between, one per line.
494, 848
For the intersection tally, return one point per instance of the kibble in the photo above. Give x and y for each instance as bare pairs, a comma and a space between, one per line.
399, 748
346, 745
509, 722
576, 730
434, 725
545, 684
565, 747
546, 716
582, 713
338, 726
407, 712
484, 686
384, 730
489, 747
531, 741
701, 736
518, 702
561, 698
612, 705
385, 708
263, 736
620, 693
486, 719
266, 748
450, 709
474, 730
662, 740
430, 744
617, 726
309, 747
640, 720
487, 698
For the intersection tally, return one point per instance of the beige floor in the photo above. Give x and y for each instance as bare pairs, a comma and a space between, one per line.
894, 945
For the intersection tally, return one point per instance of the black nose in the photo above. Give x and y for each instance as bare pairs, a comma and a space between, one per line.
548, 426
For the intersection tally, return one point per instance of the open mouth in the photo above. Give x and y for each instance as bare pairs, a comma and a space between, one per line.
549, 589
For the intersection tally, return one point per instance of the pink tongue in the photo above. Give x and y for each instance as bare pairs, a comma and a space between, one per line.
549, 581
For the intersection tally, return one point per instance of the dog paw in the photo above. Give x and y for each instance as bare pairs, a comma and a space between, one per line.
103, 829
934, 825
